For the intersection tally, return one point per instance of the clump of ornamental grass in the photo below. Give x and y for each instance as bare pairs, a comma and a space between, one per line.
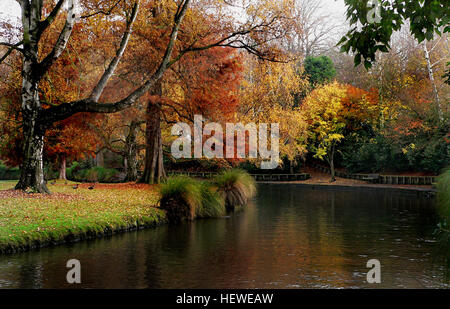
213, 204
236, 186
443, 187
443, 199
181, 196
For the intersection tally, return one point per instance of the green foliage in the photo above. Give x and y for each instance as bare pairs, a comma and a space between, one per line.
237, 186
7, 173
72, 169
371, 154
425, 18
93, 174
443, 230
49, 172
446, 76
443, 187
428, 152
320, 70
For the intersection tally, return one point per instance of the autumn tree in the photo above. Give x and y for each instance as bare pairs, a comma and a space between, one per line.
36, 119
332, 111
218, 29
268, 95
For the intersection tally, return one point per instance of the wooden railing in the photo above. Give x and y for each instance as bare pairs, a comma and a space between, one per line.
382, 179
257, 177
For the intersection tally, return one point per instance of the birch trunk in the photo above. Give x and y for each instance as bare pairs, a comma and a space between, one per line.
433, 82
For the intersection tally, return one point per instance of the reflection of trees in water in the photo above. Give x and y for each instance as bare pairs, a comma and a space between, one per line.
294, 235
29, 275
442, 250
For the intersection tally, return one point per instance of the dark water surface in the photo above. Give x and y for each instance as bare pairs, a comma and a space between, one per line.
289, 237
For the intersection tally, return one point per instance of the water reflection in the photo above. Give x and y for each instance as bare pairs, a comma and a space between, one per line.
289, 237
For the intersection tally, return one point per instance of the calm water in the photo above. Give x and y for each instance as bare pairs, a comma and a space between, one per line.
289, 237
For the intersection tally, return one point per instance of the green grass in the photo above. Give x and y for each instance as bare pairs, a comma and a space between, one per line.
29, 220
443, 186
443, 230
213, 204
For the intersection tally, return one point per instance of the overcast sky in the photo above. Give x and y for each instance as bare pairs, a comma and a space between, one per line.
11, 8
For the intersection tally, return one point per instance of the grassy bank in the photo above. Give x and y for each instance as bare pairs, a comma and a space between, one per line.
68, 214
31, 220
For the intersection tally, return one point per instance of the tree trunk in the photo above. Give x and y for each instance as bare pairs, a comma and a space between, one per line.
291, 166
100, 159
32, 169
433, 82
154, 166
62, 168
331, 161
131, 153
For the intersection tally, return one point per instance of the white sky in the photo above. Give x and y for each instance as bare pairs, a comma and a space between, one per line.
11, 9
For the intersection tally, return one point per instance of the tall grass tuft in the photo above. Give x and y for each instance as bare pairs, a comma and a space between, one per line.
181, 196
237, 187
213, 204
443, 187
443, 197
443, 230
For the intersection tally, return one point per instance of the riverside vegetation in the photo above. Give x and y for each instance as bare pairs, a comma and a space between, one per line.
34, 220
187, 198
443, 230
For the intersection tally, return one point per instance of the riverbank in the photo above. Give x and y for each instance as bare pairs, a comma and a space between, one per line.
30, 221
322, 180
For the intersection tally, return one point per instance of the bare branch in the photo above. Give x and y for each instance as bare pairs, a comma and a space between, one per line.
98, 89
65, 110
43, 25
61, 43
11, 48
108, 12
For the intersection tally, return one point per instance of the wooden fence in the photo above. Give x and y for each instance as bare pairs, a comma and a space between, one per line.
257, 177
382, 179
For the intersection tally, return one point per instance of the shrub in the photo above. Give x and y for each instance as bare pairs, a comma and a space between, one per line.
93, 174
7, 173
180, 198
70, 171
443, 230
443, 187
236, 186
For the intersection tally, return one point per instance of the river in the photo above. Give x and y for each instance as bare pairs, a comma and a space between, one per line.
288, 237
